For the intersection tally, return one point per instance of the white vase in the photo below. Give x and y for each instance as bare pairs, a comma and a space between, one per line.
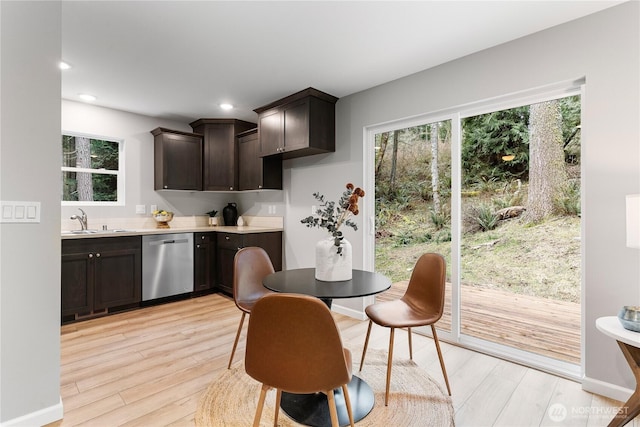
331, 266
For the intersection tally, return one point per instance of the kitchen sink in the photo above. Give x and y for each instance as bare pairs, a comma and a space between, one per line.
113, 230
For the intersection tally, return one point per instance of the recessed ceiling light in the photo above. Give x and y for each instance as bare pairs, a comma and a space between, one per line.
87, 97
226, 106
63, 65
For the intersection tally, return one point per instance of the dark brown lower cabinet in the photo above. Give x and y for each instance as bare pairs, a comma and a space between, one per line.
230, 243
100, 274
204, 253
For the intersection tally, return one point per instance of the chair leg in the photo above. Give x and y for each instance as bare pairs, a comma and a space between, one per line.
263, 394
331, 400
410, 345
277, 408
366, 343
235, 343
347, 401
389, 362
444, 371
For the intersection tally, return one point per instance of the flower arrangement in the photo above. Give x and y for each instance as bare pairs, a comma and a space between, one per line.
332, 216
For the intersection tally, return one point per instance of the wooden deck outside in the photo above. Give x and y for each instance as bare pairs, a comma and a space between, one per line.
547, 327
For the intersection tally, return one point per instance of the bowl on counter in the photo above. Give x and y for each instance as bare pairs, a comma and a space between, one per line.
630, 317
162, 221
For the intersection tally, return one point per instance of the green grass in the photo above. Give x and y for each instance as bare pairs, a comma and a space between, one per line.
541, 259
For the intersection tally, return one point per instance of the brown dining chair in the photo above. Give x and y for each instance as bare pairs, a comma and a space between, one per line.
250, 266
422, 304
293, 345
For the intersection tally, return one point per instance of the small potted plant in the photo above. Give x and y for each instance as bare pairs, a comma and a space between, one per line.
213, 219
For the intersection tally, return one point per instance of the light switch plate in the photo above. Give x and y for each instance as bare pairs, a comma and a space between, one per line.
19, 212
141, 209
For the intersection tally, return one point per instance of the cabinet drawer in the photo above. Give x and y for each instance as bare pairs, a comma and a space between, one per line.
230, 241
203, 238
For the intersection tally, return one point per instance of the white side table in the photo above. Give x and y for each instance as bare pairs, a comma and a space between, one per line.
629, 343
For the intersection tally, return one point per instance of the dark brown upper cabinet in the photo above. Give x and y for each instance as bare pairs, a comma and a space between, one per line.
220, 152
298, 125
177, 160
257, 173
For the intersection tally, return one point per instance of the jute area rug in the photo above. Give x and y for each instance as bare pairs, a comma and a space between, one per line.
415, 399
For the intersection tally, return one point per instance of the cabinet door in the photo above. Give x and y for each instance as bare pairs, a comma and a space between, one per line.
76, 283
250, 174
227, 246
270, 131
204, 261
296, 125
255, 172
271, 242
178, 162
225, 269
220, 158
118, 277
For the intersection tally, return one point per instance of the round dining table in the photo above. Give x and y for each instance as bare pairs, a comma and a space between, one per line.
303, 281
313, 409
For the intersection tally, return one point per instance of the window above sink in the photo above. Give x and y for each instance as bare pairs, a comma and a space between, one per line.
92, 170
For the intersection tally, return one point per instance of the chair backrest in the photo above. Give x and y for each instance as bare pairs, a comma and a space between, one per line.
425, 292
250, 266
294, 344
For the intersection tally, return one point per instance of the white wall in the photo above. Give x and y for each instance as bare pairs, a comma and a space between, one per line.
604, 48
30, 253
135, 129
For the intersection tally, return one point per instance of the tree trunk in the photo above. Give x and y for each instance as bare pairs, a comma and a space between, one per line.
547, 173
394, 161
384, 139
435, 181
83, 179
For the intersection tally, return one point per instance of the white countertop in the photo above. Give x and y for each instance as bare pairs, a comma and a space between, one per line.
141, 232
611, 326
145, 226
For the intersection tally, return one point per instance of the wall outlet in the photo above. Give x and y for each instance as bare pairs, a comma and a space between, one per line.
153, 208
313, 209
141, 209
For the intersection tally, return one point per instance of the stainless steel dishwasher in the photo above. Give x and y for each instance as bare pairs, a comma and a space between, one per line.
167, 265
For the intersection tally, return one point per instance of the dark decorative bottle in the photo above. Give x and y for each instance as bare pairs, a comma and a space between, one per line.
230, 214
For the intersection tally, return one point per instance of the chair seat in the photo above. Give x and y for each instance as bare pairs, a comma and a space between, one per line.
246, 306
399, 314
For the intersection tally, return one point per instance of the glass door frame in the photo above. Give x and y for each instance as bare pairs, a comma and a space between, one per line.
549, 92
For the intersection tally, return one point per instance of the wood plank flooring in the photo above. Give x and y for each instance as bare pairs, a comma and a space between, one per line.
149, 367
547, 327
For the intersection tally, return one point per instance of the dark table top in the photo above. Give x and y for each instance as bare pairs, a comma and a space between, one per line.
303, 281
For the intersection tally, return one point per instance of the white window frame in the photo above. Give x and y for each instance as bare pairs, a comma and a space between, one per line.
120, 172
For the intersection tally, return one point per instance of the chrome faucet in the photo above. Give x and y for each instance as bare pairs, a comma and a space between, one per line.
82, 219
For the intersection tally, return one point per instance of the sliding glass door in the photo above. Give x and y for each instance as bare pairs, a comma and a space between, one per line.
496, 191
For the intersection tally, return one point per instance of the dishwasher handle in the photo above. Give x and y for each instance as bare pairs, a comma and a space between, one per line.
168, 242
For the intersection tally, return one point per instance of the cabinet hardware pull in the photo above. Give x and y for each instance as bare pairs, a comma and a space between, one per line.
90, 255
98, 255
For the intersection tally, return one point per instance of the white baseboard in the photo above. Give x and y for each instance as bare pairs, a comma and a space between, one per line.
348, 311
38, 418
609, 390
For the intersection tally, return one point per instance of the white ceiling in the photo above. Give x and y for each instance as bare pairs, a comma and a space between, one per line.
180, 60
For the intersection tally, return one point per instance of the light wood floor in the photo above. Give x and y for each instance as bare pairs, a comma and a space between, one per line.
149, 367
